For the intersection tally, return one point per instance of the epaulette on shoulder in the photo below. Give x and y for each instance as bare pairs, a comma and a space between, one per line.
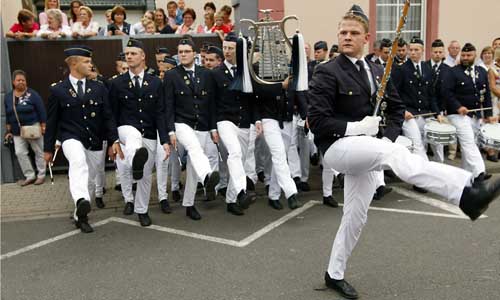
113, 77
55, 83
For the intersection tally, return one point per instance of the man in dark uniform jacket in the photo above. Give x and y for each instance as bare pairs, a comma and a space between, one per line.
189, 94
80, 115
438, 70
139, 109
235, 113
466, 87
384, 50
401, 54
340, 116
413, 80
320, 55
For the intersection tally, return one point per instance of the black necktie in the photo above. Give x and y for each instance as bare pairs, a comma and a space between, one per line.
233, 69
434, 68
137, 84
79, 89
364, 75
190, 73
419, 74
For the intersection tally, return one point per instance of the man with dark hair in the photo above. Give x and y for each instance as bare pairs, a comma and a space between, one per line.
320, 53
213, 57
80, 115
139, 109
376, 51
466, 87
189, 94
334, 52
496, 43
401, 53
340, 115
384, 51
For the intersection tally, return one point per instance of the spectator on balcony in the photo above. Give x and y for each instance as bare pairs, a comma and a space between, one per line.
181, 6
209, 24
209, 7
161, 22
139, 27
226, 11
51, 4
486, 58
85, 27
74, 11
187, 27
54, 28
150, 27
220, 28
24, 107
26, 26
103, 30
172, 14
119, 26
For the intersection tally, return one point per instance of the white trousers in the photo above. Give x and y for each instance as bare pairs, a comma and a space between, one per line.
82, 169
21, 148
299, 152
100, 179
263, 158
472, 160
131, 140
221, 165
198, 164
414, 130
278, 140
249, 164
237, 140
161, 166
175, 167
360, 158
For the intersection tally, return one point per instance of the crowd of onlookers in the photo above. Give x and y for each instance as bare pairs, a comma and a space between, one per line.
53, 23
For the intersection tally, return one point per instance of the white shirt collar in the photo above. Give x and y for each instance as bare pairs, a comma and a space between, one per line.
74, 82
190, 69
354, 60
229, 66
141, 75
436, 63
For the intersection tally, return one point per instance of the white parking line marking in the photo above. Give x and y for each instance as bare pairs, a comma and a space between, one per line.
258, 234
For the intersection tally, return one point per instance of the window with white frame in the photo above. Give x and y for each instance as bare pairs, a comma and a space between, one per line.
389, 12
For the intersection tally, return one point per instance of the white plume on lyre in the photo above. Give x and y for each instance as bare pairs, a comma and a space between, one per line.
247, 80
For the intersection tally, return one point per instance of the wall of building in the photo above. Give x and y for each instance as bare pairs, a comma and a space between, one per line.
318, 20
465, 21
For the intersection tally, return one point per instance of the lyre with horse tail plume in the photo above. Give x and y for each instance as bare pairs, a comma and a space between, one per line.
274, 46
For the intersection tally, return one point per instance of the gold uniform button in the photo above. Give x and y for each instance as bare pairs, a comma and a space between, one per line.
126, 97
140, 110
92, 114
85, 117
83, 105
67, 105
350, 93
91, 102
90, 138
141, 121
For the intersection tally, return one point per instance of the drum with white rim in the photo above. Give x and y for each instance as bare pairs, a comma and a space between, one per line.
404, 141
489, 136
437, 133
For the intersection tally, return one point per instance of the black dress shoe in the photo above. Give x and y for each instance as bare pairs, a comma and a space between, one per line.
144, 219
340, 179
192, 213
165, 207
99, 203
493, 158
314, 160
243, 200
222, 192
209, 183
261, 176
118, 187
341, 286
304, 186
297, 182
329, 201
134, 186
293, 203
129, 209
140, 158
82, 208
276, 204
475, 199
419, 190
481, 177
381, 192
235, 209
176, 195
250, 185
84, 225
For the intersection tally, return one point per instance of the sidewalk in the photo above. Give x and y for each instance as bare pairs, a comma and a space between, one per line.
48, 200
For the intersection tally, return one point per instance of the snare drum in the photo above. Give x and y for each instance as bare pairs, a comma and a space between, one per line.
489, 136
440, 133
404, 141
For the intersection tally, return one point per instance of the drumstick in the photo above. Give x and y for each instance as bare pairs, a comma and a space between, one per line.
218, 151
51, 163
178, 156
425, 115
480, 109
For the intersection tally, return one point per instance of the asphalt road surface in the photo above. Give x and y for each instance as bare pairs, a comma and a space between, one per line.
413, 247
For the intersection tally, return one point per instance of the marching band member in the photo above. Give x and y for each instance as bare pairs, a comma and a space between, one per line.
80, 115
138, 105
466, 87
340, 116
191, 121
